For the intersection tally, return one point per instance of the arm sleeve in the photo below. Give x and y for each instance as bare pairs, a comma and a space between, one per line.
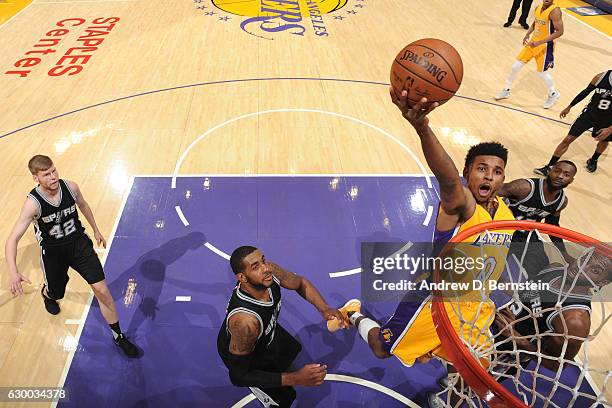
243, 375
583, 94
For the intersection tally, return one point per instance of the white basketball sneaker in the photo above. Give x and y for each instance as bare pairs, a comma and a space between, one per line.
503, 94
553, 97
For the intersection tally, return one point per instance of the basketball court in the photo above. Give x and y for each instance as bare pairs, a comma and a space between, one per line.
194, 127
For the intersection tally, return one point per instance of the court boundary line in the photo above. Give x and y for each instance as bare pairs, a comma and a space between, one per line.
250, 397
77, 337
229, 81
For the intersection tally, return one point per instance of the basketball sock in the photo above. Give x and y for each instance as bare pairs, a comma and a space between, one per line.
553, 160
595, 156
550, 84
365, 325
116, 330
516, 67
353, 316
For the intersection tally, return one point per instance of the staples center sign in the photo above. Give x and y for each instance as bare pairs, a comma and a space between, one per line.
91, 36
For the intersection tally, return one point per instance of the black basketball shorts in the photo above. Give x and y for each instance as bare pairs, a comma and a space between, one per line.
78, 255
585, 122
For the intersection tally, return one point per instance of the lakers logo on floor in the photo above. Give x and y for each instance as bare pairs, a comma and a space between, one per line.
270, 19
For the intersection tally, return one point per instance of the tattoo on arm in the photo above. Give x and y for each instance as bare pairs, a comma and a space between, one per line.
287, 279
516, 189
245, 332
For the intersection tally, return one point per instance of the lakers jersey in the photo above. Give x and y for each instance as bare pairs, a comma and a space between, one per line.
411, 333
543, 25
487, 249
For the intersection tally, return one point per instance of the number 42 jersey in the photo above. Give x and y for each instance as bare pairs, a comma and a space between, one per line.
56, 224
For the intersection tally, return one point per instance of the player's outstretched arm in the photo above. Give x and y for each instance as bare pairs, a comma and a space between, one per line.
307, 290
583, 94
28, 212
245, 330
515, 190
87, 213
455, 199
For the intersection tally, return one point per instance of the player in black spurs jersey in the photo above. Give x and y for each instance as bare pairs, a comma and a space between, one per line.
538, 200
52, 208
554, 321
254, 347
596, 115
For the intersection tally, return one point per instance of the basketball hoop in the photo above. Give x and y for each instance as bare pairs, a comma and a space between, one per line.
475, 384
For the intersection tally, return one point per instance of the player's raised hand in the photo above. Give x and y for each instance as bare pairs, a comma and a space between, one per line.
100, 239
416, 114
15, 284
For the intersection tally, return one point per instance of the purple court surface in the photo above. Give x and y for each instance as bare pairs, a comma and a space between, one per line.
171, 285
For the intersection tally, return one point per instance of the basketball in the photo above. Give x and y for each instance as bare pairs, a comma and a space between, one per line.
429, 68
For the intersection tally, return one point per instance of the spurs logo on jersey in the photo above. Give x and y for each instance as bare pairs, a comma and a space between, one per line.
602, 98
57, 217
59, 223
534, 206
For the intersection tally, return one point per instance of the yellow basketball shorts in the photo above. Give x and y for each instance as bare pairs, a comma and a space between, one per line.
411, 334
543, 55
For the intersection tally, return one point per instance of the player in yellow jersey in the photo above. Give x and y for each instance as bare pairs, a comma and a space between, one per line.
539, 45
410, 333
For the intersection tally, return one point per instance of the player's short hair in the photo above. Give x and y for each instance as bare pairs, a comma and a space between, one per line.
238, 256
571, 163
486, 149
39, 163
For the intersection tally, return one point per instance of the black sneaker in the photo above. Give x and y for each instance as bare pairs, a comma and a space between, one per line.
525, 26
591, 165
128, 348
50, 304
542, 171
507, 24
